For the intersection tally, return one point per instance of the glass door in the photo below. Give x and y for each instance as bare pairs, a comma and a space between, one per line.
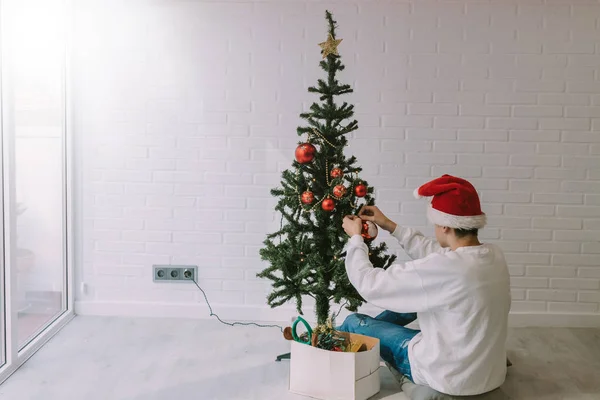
2, 291
35, 176
3, 297
36, 143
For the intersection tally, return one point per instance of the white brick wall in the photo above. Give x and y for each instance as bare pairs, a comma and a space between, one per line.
185, 114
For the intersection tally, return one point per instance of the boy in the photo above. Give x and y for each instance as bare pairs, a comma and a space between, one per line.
457, 287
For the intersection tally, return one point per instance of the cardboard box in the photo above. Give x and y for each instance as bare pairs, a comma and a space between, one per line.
332, 375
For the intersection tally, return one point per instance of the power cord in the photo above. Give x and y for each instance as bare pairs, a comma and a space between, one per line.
212, 314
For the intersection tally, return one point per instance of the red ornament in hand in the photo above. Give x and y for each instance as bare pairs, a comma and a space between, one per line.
369, 230
361, 190
305, 153
328, 205
339, 190
308, 197
337, 173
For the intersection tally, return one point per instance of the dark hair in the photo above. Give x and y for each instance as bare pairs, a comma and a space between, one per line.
461, 233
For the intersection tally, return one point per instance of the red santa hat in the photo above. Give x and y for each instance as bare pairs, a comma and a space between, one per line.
455, 203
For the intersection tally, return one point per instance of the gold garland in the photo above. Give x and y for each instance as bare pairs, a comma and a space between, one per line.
327, 173
300, 197
355, 205
319, 202
316, 132
296, 187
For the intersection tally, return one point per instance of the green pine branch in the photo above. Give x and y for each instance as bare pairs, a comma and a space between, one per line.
306, 255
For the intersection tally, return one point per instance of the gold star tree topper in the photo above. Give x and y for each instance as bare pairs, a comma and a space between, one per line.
330, 46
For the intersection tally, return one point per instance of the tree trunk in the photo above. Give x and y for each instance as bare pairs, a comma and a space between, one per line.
322, 308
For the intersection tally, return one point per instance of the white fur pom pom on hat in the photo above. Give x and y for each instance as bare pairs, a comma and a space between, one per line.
455, 203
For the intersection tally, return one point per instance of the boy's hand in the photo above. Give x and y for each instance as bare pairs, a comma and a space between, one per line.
374, 214
352, 225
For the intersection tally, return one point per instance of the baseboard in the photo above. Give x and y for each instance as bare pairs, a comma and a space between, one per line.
185, 310
558, 320
284, 315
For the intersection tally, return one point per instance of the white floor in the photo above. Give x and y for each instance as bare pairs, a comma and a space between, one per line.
149, 359
97, 358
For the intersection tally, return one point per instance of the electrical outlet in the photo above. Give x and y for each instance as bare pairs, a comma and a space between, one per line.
174, 273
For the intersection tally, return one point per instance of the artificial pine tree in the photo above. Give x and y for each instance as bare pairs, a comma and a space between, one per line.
306, 254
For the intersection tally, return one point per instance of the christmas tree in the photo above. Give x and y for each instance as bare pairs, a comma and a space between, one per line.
306, 255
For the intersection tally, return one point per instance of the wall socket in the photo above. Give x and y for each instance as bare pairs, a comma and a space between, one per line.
175, 273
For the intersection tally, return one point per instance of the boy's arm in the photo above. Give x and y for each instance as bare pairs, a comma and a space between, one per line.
415, 244
398, 288
412, 241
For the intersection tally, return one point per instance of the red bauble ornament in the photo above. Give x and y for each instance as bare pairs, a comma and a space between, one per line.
369, 230
337, 173
328, 205
305, 153
308, 197
360, 190
339, 190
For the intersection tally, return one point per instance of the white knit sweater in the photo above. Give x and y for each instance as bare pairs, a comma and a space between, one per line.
462, 300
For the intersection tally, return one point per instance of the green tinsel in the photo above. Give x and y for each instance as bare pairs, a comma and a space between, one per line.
328, 338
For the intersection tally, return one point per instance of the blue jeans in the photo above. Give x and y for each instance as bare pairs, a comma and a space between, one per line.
393, 337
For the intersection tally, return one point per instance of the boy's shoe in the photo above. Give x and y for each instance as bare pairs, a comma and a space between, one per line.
414, 391
401, 379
